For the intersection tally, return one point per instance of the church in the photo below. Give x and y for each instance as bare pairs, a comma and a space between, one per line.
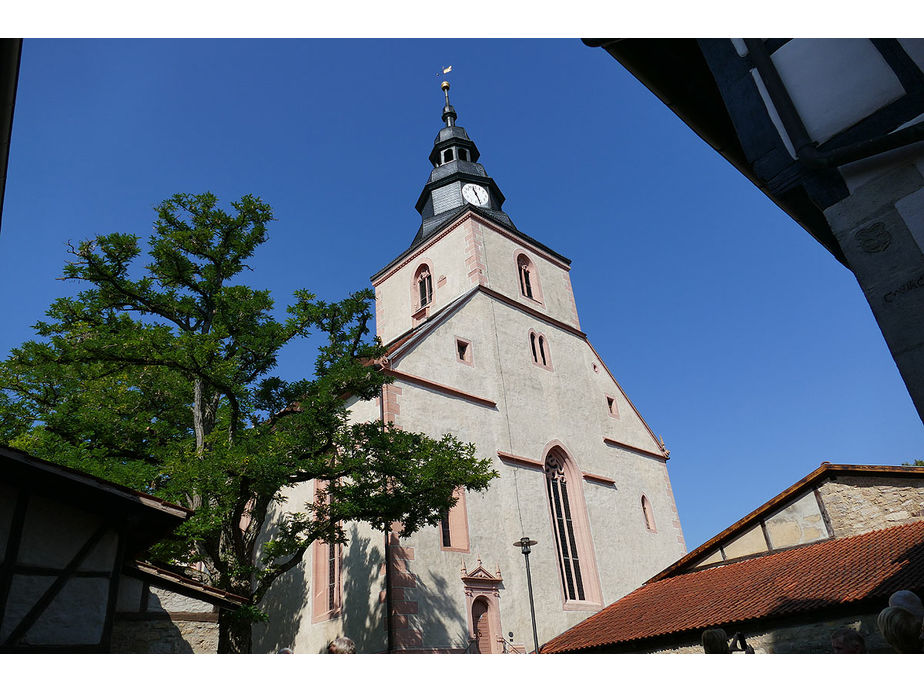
484, 342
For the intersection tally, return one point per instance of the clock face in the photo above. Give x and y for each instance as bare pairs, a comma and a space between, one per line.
475, 194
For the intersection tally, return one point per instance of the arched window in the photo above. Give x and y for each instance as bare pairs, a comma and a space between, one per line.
529, 278
424, 281
539, 346
572, 541
648, 514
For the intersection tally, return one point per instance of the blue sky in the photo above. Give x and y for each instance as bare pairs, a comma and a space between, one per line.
740, 339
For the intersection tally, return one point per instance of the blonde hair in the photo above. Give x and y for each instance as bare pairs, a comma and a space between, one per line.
901, 629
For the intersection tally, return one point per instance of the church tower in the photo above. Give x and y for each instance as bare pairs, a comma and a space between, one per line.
484, 342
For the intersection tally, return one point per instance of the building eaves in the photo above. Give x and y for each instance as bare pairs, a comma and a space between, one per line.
10, 56
185, 586
805, 484
451, 217
821, 577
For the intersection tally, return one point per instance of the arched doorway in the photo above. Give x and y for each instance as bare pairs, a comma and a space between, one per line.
481, 623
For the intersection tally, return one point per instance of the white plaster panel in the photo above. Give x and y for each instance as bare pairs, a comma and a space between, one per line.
75, 616
54, 533
859, 173
129, 598
915, 50
835, 83
911, 209
166, 600
503, 276
7, 506
714, 557
748, 543
394, 294
799, 522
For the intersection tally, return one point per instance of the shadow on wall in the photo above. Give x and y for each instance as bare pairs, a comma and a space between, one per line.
284, 602
363, 617
153, 633
435, 608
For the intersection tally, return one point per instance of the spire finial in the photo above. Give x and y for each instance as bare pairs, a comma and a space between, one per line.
449, 113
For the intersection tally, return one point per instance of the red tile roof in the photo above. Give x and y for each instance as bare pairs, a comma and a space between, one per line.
797, 580
827, 470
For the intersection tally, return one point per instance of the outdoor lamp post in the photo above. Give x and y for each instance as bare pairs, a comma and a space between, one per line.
524, 545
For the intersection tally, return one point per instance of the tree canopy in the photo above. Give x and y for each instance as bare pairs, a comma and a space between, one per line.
162, 379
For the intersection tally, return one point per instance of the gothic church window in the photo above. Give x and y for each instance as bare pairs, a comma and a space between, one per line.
539, 346
529, 278
563, 521
424, 282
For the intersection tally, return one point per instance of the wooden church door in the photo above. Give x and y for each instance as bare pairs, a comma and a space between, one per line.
482, 626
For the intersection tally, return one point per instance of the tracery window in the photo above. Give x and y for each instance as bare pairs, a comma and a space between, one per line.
424, 281
528, 278
539, 346
569, 561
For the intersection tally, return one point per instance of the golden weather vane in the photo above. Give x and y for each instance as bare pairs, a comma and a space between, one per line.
444, 71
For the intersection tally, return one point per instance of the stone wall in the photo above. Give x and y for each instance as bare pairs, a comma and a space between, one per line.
801, 638
163, 636
152, 620
858, 504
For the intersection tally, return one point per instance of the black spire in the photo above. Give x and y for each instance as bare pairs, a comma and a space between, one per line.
449, 113
457, 181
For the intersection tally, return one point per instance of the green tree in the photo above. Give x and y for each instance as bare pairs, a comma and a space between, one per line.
162, 380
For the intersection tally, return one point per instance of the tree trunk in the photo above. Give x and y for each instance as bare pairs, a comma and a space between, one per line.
234, 634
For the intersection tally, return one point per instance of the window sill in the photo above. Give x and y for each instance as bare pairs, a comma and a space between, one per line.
576, 605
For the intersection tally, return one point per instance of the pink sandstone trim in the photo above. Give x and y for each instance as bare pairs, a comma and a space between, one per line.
516, 459
537, 289
444, 389
610, 441
452, 227
403, 589
585, 542
666, 453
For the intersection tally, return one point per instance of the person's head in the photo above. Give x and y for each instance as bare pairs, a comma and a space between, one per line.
909, 601
847, 641
341, 645
901, 629
715, 641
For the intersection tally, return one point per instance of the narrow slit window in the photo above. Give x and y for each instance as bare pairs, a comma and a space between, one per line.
611, 406
541, 341
532, 343
445, 529
648, 514
332, 550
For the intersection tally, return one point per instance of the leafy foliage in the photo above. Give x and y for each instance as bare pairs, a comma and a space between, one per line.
163, 382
